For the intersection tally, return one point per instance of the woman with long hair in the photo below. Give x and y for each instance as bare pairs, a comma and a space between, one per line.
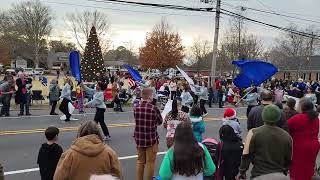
172, 120
304, 130
311, 95
66, 98
88, 155
186, 159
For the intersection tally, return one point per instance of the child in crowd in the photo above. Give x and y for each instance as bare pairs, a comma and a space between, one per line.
79, 96
198, 124
230, 118
230, 153
49, 154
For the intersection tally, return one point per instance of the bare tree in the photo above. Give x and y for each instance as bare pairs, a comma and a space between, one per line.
200, 51
81, 23
32, 21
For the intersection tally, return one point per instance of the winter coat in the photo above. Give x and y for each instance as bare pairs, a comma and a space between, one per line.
87, 156
304, 133
235, 124
48, 159
312, 98
23, 88
252, 99
198, 127
66, 92
231, 153
54, 92
171, 124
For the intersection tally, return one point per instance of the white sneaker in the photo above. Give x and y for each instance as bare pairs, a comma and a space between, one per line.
107, 138
206, 114
73, 119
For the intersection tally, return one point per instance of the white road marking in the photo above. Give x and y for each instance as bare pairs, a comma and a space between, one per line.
41, 116
37, 169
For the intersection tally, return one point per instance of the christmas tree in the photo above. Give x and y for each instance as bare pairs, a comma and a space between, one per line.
92, 61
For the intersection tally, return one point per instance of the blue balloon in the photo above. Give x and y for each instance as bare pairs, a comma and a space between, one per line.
74, 60
253, 72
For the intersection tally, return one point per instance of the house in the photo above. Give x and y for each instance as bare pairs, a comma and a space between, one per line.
307, 68
58, 59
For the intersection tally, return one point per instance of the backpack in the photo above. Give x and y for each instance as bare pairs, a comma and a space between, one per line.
214, 147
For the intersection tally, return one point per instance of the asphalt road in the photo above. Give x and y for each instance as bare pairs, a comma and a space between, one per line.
21, 137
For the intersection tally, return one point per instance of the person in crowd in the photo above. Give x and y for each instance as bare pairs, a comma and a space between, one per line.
198, 124
221, 96
252, 100
237, 97
173, 89
6, 91
23, 93
268, 148
311, 95
300, 88
171, 121
115, 95
66, 99
54, 93
202, 93
49, 154
154, 91
290, 110
147, 117
186, 98
230, 118
88, 155
80, 97
136, 95
44, 80
230, 94
187, 159
278, 94
103, 177
211, 96
98, 103
255, 116
231, 152
1, 172
304, 129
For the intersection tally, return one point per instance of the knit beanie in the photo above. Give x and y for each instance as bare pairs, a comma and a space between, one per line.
229, 113
271, 113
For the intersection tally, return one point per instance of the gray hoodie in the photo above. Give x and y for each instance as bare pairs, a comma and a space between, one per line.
66, 92
98, 98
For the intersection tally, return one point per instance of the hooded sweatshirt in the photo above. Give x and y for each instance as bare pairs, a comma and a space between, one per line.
48, 159
198, 127
87, 156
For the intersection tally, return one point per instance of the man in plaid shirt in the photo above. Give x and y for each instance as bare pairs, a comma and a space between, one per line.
147, 118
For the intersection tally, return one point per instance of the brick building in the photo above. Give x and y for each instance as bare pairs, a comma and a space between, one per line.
307, 68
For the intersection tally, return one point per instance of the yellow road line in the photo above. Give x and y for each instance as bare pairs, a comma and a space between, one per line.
75, 128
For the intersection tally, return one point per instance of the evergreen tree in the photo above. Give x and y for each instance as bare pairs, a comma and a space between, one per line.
92, 61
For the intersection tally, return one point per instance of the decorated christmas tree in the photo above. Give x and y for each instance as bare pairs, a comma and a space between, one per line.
92, 61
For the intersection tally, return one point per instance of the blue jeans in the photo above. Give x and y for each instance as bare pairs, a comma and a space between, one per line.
25, 104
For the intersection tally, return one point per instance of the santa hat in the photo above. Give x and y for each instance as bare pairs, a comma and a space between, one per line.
229, 113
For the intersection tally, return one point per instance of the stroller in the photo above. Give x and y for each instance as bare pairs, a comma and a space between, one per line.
214, 148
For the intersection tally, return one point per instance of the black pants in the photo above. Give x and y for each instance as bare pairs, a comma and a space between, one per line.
64, 108
117, 102
211, 100
5, 110
221, 103
202, 106
53, 106
99, 119
173, 95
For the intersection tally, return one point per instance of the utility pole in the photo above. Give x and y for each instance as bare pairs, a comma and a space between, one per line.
215, 44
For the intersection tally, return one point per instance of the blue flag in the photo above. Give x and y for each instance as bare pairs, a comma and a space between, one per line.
74, 59
253, 72
134, 73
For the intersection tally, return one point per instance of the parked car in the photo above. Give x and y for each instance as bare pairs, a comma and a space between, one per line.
11, 71
28, 71
38, 71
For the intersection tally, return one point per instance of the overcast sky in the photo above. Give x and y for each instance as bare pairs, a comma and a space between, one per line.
131, 23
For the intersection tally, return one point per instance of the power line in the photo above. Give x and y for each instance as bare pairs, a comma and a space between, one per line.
229, 13
125, 10
282, 15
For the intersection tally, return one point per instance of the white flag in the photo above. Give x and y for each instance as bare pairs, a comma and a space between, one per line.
189, 80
